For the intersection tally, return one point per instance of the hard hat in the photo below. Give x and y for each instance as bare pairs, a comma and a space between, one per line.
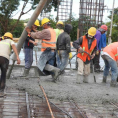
45, 20
8, 34
104, 27
92, 31
3, 37
60, 22
37, 23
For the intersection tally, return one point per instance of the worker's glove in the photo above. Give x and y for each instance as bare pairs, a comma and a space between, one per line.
97, 52
80, 50
70, 55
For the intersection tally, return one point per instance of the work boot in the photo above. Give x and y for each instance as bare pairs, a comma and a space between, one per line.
85, 79
26, 72
104, 79
79, 79
113, 83
53, 69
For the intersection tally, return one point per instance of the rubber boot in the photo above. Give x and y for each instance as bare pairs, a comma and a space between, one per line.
53, 69
104, 79
26, 72
79, 79
85, 79
113, 83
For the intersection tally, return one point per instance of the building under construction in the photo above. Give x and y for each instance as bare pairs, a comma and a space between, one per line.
90, 14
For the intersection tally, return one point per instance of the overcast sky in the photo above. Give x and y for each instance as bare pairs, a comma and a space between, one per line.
75, 10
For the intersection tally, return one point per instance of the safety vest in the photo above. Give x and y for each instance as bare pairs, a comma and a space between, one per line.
49, 43
2, 42
58, 32
84, 56
112, 50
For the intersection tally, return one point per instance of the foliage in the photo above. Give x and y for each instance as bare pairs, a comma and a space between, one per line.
74, 23
19, 28
114, 35
8, 7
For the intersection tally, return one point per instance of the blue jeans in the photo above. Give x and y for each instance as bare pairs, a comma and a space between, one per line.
109, 62
52, 60
28, 57
64, 55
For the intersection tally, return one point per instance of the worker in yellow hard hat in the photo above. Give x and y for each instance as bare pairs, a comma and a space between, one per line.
28, 49
1, 38
89, 44
47, 59
59, 29
5, 50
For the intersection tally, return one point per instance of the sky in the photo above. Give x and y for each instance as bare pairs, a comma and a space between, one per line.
75, 10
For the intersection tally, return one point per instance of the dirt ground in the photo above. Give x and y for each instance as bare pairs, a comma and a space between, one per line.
65, 87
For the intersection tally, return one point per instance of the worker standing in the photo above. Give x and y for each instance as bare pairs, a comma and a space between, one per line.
5, 49
47, 58
64, 47
101, 43
28, 49
2, 38
59, 29
85, 43
110, 57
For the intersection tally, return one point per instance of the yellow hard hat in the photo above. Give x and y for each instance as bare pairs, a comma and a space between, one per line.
60, 22
8, 34
45, 20
92, 31
3, 37
37, 23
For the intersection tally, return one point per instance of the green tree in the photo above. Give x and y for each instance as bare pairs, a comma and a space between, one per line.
114, 35
8, 7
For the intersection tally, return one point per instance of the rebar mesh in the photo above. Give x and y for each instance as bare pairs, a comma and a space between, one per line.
90, 14
64, 11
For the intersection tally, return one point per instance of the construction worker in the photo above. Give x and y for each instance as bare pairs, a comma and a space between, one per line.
59, 29
47, 59
28, 49
85, 43
2, 38
5, 49
110, 57
64, 47
101, 43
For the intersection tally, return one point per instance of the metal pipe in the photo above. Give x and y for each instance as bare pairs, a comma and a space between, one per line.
28, 108
24, 33
58, 108
77, 108
10, 70
29, 24
109, 39
46, 100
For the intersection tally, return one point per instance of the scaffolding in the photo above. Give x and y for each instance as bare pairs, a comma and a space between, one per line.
90, 14
64, 11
